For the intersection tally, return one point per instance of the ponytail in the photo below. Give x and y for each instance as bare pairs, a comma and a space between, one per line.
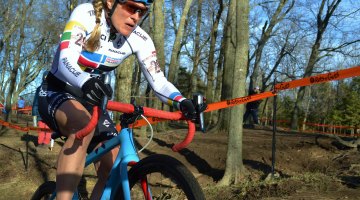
93, 43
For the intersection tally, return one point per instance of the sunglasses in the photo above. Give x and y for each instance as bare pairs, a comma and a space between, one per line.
133, 8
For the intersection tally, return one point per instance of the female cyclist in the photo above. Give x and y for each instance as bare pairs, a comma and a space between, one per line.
96, 39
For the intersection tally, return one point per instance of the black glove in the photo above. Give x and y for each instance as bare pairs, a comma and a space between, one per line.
188, 109
201, 107
94, 91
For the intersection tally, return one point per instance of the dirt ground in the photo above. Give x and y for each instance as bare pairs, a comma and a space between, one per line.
308, 166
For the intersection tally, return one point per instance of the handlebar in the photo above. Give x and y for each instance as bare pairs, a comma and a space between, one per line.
148, 112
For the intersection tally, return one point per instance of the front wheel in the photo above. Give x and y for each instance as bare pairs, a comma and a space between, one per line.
45, 191
166, 178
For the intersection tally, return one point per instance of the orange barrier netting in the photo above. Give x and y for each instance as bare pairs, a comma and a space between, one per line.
321, 78
318, 126
312, 124
328, 133
26, 108
23, 128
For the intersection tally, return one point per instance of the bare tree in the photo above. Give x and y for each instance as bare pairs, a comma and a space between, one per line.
197, 50
159, 32
235, 170
29, 49
174, 62
210, 91
17, 55
123, 77
267, 32
325, 12
229, 63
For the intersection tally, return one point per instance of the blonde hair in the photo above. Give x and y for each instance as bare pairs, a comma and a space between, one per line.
93, 43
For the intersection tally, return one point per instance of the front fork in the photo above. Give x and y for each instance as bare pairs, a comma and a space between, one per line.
126, 156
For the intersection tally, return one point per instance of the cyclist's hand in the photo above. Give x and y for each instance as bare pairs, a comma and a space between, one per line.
94, 91
188, 109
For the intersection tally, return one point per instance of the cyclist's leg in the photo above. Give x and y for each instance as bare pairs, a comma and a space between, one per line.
105, 130
70, 117
64, 114
103, 168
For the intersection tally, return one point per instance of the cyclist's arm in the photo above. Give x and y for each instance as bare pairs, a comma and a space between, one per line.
65, 65
146, 55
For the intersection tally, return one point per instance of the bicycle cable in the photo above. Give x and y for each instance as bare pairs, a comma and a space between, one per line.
151, 135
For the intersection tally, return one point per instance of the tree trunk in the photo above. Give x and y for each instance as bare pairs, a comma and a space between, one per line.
123, 82
307, 108
174, 65
210, 89
217, 97
235, 170
159, 32
3, 64
135, 82
229, 63
322, 24
197, 51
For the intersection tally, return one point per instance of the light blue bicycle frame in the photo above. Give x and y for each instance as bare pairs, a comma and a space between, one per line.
118, 175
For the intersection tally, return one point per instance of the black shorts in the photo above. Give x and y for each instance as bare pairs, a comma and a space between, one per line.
51, 98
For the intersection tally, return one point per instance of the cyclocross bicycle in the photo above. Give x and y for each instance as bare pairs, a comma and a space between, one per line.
154, 177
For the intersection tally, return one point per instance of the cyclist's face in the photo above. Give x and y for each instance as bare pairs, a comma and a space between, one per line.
127, 15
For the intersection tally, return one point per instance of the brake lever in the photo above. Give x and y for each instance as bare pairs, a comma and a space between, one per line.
200, 106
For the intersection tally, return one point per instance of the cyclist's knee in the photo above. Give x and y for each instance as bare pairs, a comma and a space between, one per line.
71, 117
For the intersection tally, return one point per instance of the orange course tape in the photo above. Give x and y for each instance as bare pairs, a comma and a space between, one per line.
237, 101
321, 78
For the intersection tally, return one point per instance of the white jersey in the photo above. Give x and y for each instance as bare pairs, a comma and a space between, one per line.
74, 65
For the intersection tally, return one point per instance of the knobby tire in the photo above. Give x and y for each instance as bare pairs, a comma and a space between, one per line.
161, 166
44, 191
